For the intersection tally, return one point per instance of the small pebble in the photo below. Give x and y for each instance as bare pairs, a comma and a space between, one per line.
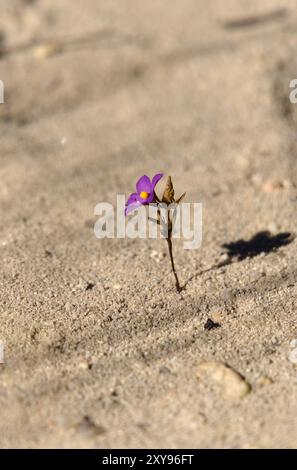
90, 286
228, 382
224, 260
263, 381
47, 49
157, 256
293, 356
272, 227
293, 343
210, 324
272, 185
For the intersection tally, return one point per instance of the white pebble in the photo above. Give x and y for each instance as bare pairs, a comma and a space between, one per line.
293, 356
293, 343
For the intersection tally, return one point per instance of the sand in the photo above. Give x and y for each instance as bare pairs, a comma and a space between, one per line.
100, 351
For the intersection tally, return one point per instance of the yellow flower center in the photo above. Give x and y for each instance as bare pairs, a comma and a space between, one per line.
144, 195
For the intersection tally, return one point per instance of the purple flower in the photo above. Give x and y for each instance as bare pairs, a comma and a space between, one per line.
144, 193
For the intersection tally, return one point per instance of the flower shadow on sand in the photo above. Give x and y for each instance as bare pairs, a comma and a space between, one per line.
262, 242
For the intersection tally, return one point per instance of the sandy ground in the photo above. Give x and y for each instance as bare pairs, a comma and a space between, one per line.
96, 95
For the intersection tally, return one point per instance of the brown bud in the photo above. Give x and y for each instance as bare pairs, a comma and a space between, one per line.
168, 195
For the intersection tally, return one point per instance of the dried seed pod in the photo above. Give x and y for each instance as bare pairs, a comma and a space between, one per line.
168, 195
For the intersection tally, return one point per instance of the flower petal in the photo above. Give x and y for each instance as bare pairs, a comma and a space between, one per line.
131, 198
144, 185
132, 206
150, 198
156, 179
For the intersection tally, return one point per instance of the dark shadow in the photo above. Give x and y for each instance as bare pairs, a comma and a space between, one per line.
255, 20
262, 242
